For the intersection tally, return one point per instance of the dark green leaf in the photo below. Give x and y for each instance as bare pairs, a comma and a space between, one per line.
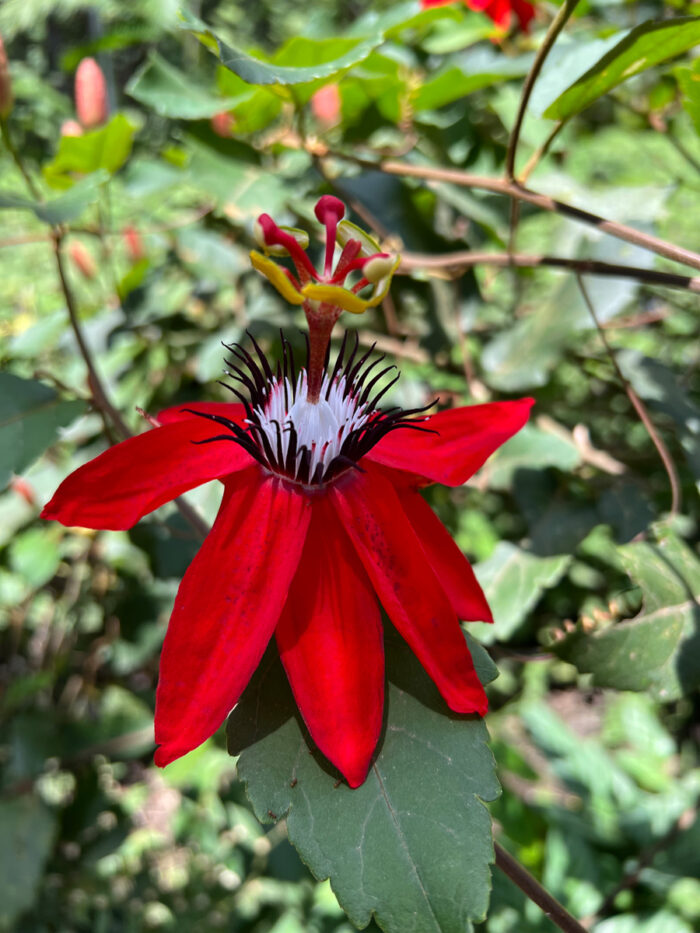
105, 149
30, 415
514, 581
63, 209
412, 845
28, 828
331, 56
659, 649
643, 47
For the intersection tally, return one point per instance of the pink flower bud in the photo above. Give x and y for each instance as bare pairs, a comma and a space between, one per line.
71, 128
133, 243
5, 84
23, 489
82, 259
90, 94
222, 124
325, 106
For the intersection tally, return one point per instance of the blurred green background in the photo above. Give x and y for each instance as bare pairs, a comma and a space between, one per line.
600, 785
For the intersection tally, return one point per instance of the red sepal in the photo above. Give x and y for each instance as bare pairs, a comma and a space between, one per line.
332, 646
371, 513
450, 566
118, 487
226, 609
465, 438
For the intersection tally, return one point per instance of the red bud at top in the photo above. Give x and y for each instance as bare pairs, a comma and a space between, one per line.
90, 94
82, 259
5, 84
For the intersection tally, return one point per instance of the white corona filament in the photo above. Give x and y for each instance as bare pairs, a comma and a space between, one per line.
321, 427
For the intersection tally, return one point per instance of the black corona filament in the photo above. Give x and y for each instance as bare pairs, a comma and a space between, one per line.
256, 381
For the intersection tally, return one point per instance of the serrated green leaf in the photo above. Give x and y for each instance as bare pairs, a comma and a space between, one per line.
105, 149
173, 93
30, 415
412, 845
28, 829
63, 209
657, 650
643, 47
514, 581
332, 56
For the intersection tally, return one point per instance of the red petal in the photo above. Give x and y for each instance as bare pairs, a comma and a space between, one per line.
132, 478
450, 566
465, 438
226, 609
234, 412
332, 647
387, 545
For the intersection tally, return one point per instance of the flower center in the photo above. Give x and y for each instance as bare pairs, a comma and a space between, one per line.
310, 441
319, 429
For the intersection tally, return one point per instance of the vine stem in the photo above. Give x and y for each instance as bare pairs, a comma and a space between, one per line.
513, 189
638, 406
458, 261
534, 891
98, 393
550, 38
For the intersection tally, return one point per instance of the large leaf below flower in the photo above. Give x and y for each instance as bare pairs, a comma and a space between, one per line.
412, 845
658, 649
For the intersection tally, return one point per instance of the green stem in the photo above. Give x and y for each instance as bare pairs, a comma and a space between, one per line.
29, 181
550, 38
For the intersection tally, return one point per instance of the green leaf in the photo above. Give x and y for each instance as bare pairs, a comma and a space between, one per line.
514, 581
530, 449
412, 845
105, 149
643, 47
657, 650
30, 415
328, 57
28, 829
173, 93
242, 190
63, 209
689, 82
660, 387
474, 71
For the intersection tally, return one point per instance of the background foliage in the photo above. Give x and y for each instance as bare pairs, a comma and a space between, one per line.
593, 584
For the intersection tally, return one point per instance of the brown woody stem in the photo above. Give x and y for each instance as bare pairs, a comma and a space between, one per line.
533, 890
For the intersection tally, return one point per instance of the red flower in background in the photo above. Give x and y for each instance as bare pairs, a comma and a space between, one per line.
500, 11
321, 519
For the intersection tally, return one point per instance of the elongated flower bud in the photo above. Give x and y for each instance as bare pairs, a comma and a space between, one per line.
5, 84
222, 124
82, 259
325, 106
133, 243
90, 94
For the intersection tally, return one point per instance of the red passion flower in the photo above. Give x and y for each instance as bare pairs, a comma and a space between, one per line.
500, 11
321, 520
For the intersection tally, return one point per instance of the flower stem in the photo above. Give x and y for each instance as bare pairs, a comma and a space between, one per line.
321, 322
533, 890
639, 407
550, 38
